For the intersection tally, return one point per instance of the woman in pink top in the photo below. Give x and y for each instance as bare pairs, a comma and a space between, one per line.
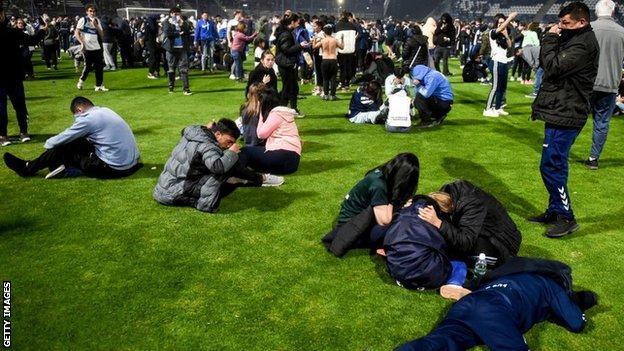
277, 125
237, 50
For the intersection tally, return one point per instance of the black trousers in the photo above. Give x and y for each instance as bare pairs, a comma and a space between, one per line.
442, 54
14, 91
317, 69
49, 55
290, 86
432, 108
94, 61
153, 57
329, 69
347, 63
78, 154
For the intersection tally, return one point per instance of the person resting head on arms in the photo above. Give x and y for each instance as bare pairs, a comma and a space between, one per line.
366, 105
398, 81
368, 208
99, 144
475, 222
203, 167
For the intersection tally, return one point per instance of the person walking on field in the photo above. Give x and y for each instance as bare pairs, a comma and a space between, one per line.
569, 56
89, 34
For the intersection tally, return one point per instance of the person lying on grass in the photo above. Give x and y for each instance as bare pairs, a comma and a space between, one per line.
498, 314
276, 125
204, 168
475, 222
367, 209
98, 144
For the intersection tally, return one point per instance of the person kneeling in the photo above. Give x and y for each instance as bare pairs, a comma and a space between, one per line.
434, 96
203, 168
365, 105
98, 144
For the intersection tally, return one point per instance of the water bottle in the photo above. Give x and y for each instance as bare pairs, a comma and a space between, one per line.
480, 266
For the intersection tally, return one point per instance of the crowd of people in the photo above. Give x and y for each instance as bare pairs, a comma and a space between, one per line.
400, 70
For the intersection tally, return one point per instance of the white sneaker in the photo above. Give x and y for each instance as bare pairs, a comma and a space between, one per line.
490, 113
60, 169
151, 76
232, 77
80, 84
512, 78
502, 112
272, 180
101, 88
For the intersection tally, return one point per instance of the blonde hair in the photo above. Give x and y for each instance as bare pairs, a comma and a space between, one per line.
444, 200
251, 107
241, 27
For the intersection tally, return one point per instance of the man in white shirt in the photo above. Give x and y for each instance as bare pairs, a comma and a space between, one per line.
89, 34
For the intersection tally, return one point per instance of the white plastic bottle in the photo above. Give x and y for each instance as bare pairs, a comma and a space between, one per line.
480, 266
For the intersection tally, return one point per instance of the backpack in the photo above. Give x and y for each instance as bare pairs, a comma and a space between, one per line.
469, 73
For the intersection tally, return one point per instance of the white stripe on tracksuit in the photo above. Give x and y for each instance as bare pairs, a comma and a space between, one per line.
490, 101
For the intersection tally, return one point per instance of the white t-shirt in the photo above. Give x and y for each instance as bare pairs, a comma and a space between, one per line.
499, 54
231, 23
399, 110
89, 33
257, 55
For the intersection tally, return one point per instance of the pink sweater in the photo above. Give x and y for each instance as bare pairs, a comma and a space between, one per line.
280, 130
239, 40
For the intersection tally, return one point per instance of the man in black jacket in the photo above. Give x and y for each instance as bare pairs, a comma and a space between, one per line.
12, 76
177, 43
415, 49
477, 222
569, 56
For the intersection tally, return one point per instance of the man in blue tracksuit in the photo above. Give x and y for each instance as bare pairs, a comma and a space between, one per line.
499, 313
569, 56
433, 97
205, 36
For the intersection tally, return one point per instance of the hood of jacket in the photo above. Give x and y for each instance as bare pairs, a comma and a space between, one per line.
285, 113
200, 134
420, 71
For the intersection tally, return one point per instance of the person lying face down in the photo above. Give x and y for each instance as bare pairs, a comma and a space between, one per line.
477, 222
500, 312
367, 209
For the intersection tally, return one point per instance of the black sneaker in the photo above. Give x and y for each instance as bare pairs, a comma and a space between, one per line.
562, 227
585, 299
546, 218
170, 90
382, 117
426, 124
16, 164
591, 164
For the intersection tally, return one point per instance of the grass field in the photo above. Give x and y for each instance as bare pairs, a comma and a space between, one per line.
99, 265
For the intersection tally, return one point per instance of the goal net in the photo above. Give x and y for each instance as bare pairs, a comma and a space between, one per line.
135, 12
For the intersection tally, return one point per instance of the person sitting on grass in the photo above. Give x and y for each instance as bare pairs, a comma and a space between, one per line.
475, 222
368, 208
277, 126
397, 82
434, 96
366, 105
499, 312
264, 72
399, 113
250, 114
98, 144
204, 168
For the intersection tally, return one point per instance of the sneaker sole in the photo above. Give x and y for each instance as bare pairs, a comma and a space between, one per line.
6, 143
268, 185
453, 292
559, 235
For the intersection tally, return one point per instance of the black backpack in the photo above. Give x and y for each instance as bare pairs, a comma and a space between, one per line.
469, 73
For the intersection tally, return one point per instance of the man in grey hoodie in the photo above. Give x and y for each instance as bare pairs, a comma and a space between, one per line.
610, 37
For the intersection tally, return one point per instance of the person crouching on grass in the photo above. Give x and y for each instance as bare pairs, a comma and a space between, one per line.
204, 168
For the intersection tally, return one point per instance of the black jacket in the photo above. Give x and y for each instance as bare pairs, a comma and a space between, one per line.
186, 33
287, 50
570, 64
411, 47
258, 73
447, 32
11, 61
478, 214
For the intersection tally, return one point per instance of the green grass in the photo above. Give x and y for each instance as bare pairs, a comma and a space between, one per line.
100, 265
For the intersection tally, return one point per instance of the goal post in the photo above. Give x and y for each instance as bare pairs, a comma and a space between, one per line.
133, 12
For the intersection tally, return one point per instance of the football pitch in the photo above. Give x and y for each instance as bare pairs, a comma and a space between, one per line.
99, 265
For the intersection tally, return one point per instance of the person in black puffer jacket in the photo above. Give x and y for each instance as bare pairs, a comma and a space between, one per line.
415, 49
569, 56
287, 57
477, 223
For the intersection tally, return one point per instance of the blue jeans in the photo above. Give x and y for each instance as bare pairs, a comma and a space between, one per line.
539, 74
391, 129
554, 168
602, 106
207, 47
238, 64
499, 85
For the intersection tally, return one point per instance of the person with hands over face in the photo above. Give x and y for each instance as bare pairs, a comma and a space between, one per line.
89, 34
475, 222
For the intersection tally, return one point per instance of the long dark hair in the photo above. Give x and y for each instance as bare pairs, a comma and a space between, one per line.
268, 101
401, 175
